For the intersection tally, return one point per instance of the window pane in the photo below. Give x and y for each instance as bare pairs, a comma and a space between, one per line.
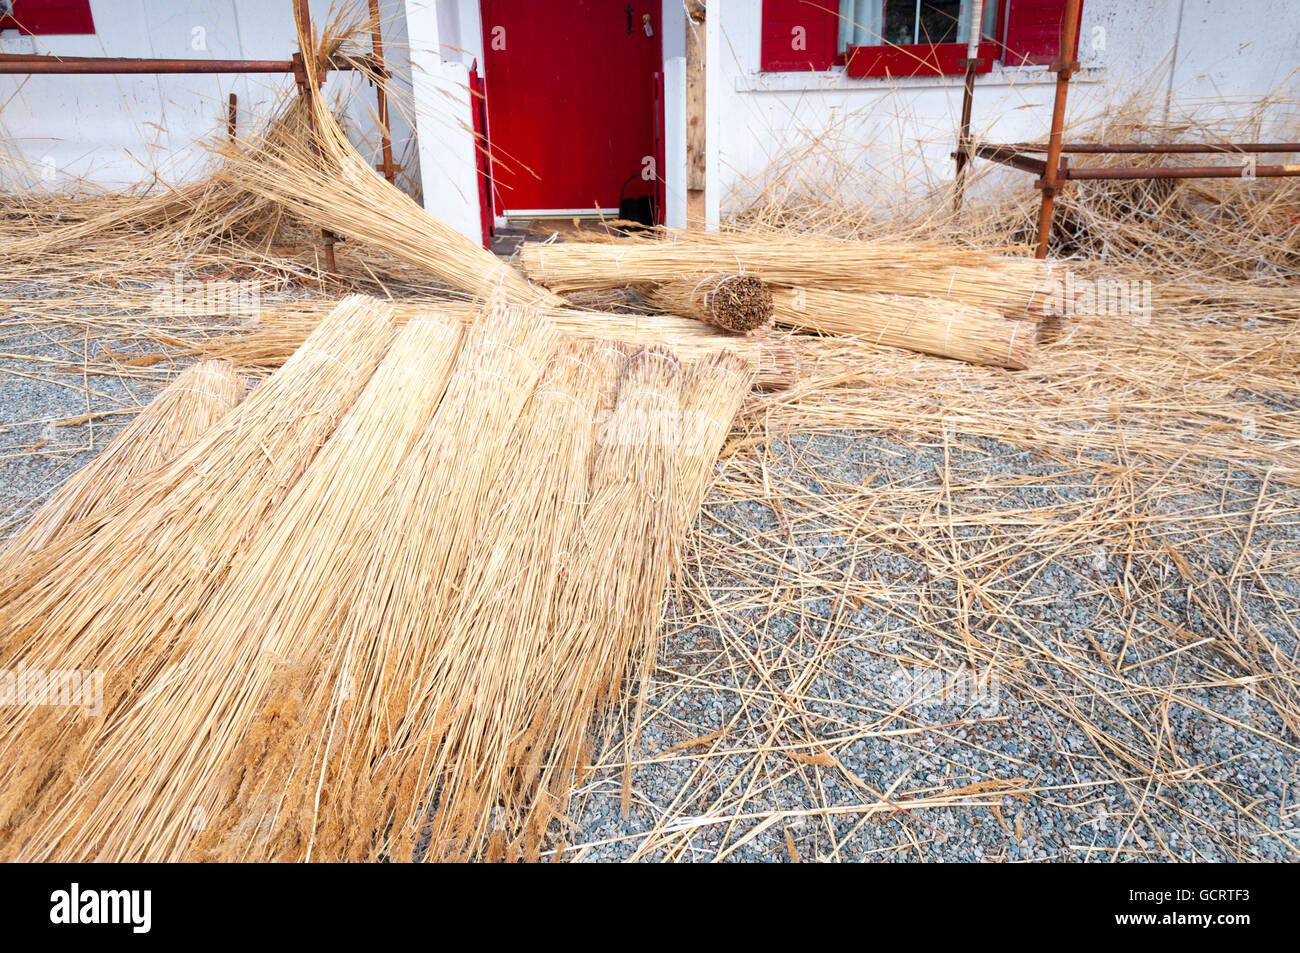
904, 22
939, 19
900, 21
861, 23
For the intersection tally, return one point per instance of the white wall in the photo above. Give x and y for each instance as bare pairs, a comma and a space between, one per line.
115, 132
898, 134
444, 117
1180, 58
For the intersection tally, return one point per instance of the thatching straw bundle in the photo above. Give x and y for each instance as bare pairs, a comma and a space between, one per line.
113, 592
654, 458
273, 612
484, 758
315, 173
731, 302
916, 322
278, 333
200, 395
609, 607
352, 782
1014, 285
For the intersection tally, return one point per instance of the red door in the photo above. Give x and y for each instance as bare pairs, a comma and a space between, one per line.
571, 101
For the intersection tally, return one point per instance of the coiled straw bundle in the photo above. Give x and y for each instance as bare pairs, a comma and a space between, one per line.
731, 302
200, 395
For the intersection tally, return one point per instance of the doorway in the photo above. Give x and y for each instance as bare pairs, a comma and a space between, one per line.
574, 104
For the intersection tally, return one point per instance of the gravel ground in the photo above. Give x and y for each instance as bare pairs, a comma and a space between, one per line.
810, 668
39, 446
780, 708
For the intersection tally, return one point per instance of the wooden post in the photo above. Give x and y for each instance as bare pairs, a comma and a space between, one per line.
695, 162
972, 60
963, 137
1064, 66
381, 93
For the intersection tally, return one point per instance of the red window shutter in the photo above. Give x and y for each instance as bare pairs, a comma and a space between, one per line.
50, 17
799, 34
1033, 33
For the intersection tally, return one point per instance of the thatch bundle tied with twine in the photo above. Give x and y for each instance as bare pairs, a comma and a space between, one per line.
732, 302
916, 322
430, 558
929, 298
977, 277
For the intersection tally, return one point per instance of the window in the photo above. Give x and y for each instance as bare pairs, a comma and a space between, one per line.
46, 17
905, 37
913, 37
910, 22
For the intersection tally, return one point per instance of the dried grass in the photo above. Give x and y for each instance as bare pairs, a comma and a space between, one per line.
916, 322
200, 396
113, 592
732, 302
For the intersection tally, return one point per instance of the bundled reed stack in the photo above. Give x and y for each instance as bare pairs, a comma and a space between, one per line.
930, 298
484, 758
608, 609
970, 274
917, 322
439, 510
272, 615
355, 770
712, 392
308, 167
739, 303
199, 396
473, 749
426, 568
975, 277
113, 593
654, 460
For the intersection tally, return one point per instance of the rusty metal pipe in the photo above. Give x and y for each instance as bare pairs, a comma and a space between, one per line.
1064, 67
22, 64
1181, 172
381, 93
107, 65
1005, 156
1166, 148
